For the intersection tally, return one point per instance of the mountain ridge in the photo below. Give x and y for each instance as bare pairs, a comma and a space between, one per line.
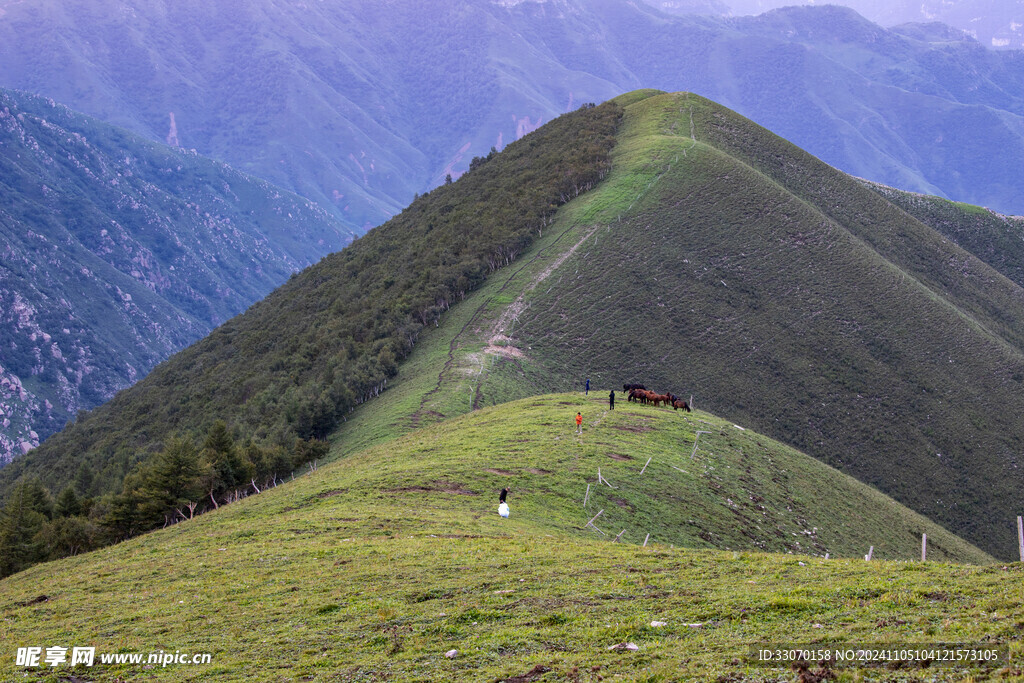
715, 260
734, 280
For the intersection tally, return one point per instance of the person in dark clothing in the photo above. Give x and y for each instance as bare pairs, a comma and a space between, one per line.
587, 391
502, 505
502, 495
611, 400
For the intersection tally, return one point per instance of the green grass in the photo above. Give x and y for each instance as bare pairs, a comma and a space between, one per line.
719, 268
377, 565
786, 296
382, 561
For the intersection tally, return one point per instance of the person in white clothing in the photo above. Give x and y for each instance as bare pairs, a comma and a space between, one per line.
502, 505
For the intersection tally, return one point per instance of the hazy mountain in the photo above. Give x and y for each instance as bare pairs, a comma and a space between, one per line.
118, 252
994, 23
360, 105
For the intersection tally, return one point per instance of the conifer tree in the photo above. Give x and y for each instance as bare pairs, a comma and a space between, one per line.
226, 468
27, 510
68, 503
170, 481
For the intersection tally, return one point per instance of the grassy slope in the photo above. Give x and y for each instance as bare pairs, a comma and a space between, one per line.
376, 565
726, 263
869, 341
994, 238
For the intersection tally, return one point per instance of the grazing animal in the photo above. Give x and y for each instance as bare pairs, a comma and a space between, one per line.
658, 399
641, 395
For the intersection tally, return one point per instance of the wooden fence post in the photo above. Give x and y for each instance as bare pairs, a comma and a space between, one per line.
871, 551
924, 547
601, 479
645, 539
586, 497
696, 437
646, 464
1020, 536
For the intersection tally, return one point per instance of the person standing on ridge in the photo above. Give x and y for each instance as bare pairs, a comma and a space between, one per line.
579, 423
586, 389
502, 505
611, 400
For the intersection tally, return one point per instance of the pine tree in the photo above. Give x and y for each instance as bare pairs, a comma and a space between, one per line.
170, 480
65, 536
68, 503
20, 522
227, 469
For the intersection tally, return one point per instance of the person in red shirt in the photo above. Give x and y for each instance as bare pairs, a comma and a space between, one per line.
579, 423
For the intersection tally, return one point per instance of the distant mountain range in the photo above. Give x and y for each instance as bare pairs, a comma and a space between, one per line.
117, 252
994, 23
361, 105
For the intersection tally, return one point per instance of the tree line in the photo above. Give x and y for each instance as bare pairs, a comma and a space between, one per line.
183, 479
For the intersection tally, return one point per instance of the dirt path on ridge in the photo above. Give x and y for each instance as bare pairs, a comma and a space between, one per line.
495, 331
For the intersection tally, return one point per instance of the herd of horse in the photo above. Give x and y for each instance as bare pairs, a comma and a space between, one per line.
640, 394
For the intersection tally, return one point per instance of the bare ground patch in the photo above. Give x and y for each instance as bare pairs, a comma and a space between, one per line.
515, 309
502, 345
635, 429
436, 487
619, 456
504, 473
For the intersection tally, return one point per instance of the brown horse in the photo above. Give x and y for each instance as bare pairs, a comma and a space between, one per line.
680, 403
658, 399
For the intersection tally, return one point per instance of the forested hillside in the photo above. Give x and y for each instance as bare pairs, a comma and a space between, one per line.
299, 361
